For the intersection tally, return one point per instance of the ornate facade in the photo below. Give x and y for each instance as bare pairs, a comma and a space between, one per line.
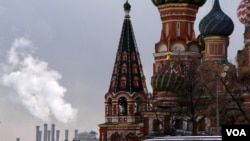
132, 113
126, 99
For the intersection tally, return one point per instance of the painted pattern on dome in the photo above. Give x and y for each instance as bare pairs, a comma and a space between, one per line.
242, 12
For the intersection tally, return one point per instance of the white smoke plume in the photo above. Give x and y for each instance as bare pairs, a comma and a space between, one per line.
36, 84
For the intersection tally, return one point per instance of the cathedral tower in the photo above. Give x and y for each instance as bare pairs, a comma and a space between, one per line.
126, 98
176, 50
243, 14
215, 71
216, 27
177, 44
243, 56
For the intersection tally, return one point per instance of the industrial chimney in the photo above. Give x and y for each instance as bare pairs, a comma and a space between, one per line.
45, 132
57, 135
40, 135
53, 132
48, 135
37, 133
66, 135
76, 135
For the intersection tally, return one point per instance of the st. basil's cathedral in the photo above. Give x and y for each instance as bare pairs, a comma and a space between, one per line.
191, 75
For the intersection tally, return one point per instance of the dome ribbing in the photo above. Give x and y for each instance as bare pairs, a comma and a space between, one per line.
242, 12
216, 22
167, 81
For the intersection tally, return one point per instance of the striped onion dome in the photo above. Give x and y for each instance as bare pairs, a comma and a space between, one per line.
167, 81
195, 2
242, 12
216, 22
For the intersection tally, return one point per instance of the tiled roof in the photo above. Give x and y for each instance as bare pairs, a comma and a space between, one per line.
127, 73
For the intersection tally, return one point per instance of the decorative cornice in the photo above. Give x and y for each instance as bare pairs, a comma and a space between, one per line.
178, 5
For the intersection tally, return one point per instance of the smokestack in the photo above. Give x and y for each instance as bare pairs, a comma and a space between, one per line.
53, 132
76, 135
66, 135
45, 132
57, 135
40, 136
17, 139
37, 133
48, 135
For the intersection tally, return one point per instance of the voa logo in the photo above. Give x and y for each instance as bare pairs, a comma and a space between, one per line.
236, 132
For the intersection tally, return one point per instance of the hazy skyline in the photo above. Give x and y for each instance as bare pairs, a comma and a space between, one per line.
73, 44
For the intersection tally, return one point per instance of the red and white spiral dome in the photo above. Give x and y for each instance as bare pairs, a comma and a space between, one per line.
242, 12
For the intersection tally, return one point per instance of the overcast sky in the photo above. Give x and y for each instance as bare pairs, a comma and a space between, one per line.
57, 56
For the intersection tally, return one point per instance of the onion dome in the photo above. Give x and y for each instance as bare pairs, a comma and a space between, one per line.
167, 81
242, 12
127, 6
162, 2
216, 22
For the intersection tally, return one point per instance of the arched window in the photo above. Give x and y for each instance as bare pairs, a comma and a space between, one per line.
109, 104
156, 125
138, 106
115, 137
122, 106
178, 123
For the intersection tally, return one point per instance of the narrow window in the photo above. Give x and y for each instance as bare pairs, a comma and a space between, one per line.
216, 49
124, 68
178, 29
122, 106
167, 29
138, 107
189, 29
156, 125
135, 69
109, 113
136, 81
123, 82
124, 58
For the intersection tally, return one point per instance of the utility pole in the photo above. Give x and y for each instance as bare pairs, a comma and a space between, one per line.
217, 107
